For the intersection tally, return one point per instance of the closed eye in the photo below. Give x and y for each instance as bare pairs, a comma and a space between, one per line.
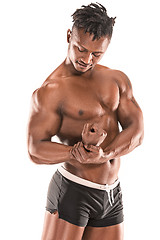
81, 50
96, 54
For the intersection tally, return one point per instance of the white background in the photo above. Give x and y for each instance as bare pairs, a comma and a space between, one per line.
33, 44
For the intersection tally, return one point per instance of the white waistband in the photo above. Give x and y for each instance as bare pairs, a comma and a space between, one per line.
85, 182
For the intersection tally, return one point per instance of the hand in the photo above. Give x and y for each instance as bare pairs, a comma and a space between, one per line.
87, 154
92, 134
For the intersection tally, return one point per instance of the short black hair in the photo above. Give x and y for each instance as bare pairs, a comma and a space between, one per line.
94, 19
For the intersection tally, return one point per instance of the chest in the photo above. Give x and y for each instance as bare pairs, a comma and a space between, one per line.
89, 100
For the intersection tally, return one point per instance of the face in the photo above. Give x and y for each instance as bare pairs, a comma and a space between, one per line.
84, 53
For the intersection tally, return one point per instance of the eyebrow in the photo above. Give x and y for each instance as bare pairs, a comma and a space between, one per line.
87, 49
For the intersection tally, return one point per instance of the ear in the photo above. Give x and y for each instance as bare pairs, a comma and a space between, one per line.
68, 35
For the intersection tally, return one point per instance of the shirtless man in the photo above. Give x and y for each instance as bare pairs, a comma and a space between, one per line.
81, 103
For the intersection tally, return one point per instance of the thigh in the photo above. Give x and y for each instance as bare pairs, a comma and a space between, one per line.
110, 233
58, 229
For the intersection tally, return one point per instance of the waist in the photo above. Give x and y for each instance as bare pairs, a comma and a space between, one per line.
85, 182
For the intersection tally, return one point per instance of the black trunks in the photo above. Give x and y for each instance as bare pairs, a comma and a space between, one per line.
84, 205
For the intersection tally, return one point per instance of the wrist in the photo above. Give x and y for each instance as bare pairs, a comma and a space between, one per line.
108, 154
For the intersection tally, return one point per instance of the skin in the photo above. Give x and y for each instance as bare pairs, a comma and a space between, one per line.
92, 134
79, 96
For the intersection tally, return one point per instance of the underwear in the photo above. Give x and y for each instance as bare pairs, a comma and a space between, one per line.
84, 203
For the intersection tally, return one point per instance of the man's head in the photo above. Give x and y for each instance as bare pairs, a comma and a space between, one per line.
94, 20
90, 36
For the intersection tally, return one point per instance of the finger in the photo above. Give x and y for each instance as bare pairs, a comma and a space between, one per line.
86, 147
78, 148
71, 154
102, 136
93, 148
76, 145
74, 149
83, 153
104, 133
77, 155
90, 146
84, 129
81, 144
95, 127
88, 127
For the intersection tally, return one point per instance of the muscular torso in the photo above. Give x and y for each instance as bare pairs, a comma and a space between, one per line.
88, 100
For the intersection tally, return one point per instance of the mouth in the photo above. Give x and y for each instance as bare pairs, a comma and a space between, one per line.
83, 65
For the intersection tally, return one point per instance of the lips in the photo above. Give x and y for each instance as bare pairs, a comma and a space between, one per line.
83, 65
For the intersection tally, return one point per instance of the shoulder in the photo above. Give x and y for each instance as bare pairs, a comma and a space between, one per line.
123, 82
48, 96
119, 78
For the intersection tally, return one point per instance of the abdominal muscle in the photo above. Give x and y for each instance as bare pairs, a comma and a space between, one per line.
105, 173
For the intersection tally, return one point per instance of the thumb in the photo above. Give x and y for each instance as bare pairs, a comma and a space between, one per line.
87, 147
92, 148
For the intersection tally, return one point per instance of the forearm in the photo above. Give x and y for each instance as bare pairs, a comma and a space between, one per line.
46, 152
125, 142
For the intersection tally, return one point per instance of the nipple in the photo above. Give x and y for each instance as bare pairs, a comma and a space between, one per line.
80, 112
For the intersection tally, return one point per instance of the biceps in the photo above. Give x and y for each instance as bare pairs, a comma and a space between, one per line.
129, 112
42, 126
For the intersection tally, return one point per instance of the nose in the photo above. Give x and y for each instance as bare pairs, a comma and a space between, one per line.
87, 58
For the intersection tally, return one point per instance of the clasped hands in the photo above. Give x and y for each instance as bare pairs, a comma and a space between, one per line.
89, 151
